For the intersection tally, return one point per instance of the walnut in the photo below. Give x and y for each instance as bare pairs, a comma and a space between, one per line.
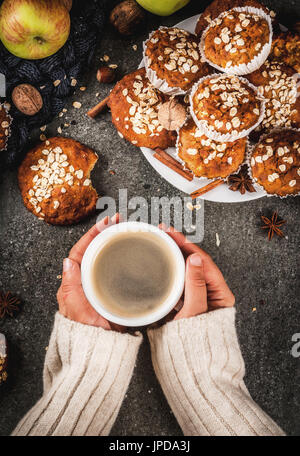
127, 16
27, 99
105, 74
172, 114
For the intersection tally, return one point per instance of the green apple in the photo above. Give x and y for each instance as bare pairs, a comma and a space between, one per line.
34, 29
163, 7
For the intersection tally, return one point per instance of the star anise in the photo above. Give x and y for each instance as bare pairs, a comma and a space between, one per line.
241, 181
273, 225
9, 304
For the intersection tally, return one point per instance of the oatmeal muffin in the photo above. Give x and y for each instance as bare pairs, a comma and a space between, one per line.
5, 122
54, 179
286, 48
226, 107
237, 42
275, 162
172, 59
277, 84
206, 157
134, 105
218, 7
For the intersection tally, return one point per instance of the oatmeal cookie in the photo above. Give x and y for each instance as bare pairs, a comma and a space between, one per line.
237, 39
277, 84
275, 162
219, 6
286, 48
206, 157
172, 59
134, 105
54, 179
5, 122
226, 105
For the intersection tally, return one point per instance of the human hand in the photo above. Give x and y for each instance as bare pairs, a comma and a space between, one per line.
72, 301
205, 286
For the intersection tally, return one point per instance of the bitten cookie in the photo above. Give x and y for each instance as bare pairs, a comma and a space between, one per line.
275, 163
208, 158
54, 179
219, 6
134, 105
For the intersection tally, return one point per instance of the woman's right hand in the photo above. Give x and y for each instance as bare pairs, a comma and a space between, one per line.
205, 286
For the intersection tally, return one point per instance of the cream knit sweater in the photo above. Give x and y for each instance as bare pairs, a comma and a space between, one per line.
197, 361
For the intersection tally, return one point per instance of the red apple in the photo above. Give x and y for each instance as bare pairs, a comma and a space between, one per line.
34, 29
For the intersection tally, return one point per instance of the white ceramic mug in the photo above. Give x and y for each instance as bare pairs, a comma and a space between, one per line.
93, 250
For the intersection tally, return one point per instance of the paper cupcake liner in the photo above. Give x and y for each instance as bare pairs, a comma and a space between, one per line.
201, 178
257, 61
228, 137
160, 84
256, 185
8, 128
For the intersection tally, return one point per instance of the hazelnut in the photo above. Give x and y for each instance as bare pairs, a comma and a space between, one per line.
27, 99
127, 16
68, 4
105, 74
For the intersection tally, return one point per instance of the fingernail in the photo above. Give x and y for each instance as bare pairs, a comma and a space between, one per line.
195, 260
67, 264
163, 227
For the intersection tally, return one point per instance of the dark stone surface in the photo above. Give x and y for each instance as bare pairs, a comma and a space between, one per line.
31, 255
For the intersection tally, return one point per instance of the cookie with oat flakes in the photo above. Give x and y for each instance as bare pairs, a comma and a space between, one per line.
219, 6
172, 60
54, 179
277, 83
286, 48
134, 105
238, 41
206, 157
275, 162
5, 122
225, 107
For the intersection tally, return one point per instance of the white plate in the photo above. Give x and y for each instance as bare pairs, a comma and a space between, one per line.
221, 194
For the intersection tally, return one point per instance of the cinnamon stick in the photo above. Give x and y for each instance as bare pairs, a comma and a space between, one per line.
206, 188
173, 164
98, 108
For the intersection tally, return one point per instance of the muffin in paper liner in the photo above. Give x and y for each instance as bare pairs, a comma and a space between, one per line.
162, 84
257, 61
213, 134
206, 176
5, 124
250, 151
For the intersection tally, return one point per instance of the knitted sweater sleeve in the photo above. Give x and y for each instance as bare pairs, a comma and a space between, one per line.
86, 374
200, 367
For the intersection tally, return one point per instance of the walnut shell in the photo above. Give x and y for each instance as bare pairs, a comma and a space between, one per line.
27, 99
127, 16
